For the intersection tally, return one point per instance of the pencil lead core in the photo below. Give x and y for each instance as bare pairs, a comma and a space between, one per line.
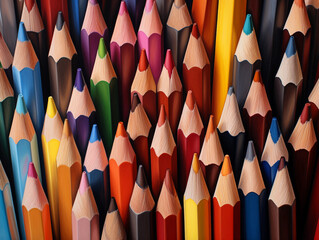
143, 63
248, 26
141, 178
305, 115
51, 108
59, 21
162, 116
226, 168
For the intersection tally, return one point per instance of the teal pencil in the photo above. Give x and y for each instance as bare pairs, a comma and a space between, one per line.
24, 149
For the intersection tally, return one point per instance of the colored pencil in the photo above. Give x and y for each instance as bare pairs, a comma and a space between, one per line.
273, 16
110, 13
24, 149
51, 138
168, 211
144, 85
164, 8
287, 89
150, 37
247, 60
313, 14
301, 30
135, 8
226, 204
232, 133
93, 28
8, 24
123, 50
282, 207
49, 10
77, 10
253, 198
163, 153
8, 221
35, 29
196, 65
204, 13
255, 8
113, 225
197, 204
302, 146
170, 92
35, 208
313, 99
211, 156
257, 113
62, 65
104, 92
7, 105
96, 166
69, 170
27, 78
142, 216
140, 132
6, 58
274, 149
85, 215
189, 138
122, 171
177, 31
81, 113
229, 26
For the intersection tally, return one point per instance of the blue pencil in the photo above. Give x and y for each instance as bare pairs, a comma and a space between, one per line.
96, 166
253, 198
274, 149
24, 149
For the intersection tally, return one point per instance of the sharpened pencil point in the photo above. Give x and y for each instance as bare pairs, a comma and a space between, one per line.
305, 115
190, 101
169, 62
248, 26
1, 65
31, 171
59, 21
29, 4
195, 163
93, 2
84, 184
162, 116
257, 77
226, 168
112, 206
300, 3
22, 33
274, 130
102, 48
51, 108
282, 163
66, 128
179, 3
291, 47
21, 108
143, 63
135, 102
148, 5
195, 31
250, 153
123, 8
169, 182
141, 178
210, 127
95, 135
230, 91
120, 130
79, 80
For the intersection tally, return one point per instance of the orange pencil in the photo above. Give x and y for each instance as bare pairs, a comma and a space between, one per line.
122, 171
163, 153
35, 208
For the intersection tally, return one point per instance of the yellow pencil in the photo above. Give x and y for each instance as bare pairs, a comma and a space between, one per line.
197, 206
230, 21
51, 137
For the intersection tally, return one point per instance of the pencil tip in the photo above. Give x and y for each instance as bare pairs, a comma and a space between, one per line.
21, 108
248, 26
123, 8
59, 21
95, 134
230, 91
162, 116
250, 153
257, 77
84, 184
148, 5
169, 62
190, 101
305, 115
31, 171
291, 47
120, 130
169, 182
22, 34
179, 3
274, 130
135, 102
66, 128
79, 80
51, 108
226, 168
141, 178
101, 49
93, 2
195, 163
195, 31
210, 127
143, 63
282, 163
300, 3
1, 65
29, 4
112, 206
